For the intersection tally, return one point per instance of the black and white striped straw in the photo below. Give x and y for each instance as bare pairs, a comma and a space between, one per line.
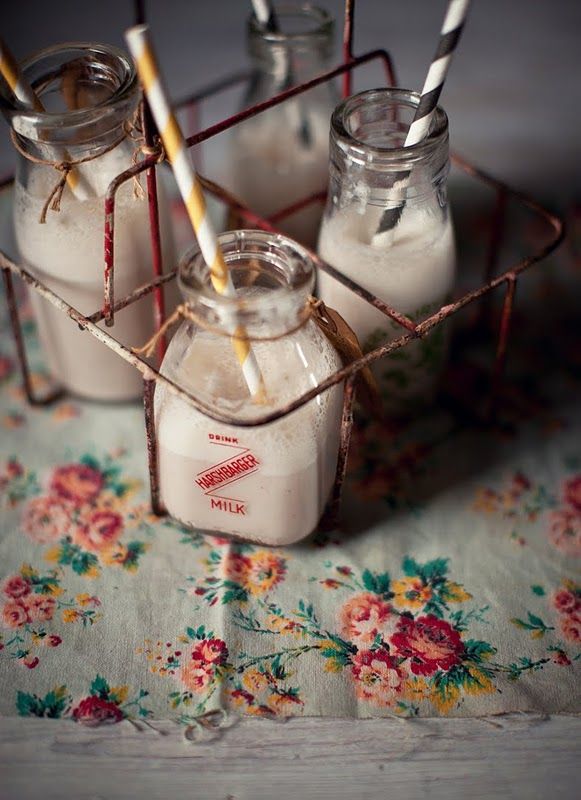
433, 85
264, 13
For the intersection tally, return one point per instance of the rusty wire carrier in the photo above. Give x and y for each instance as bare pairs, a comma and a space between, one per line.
410, 329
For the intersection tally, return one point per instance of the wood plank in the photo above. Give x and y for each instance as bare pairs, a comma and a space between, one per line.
515, 756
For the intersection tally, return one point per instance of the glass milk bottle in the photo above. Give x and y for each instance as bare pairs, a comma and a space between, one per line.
280, 156
268, 483
90, 94
410, 266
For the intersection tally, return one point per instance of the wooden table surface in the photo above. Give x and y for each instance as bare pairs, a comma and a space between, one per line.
514, 756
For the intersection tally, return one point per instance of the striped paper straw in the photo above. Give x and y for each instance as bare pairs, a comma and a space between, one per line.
433, 85
265, 15
24, 92
139, 42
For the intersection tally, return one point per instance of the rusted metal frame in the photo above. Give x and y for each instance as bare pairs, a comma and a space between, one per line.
152, 451
503, 335
331, 514
348, 44
220, 85
136, 294
150, 373
497, 232
396, 316
109, 241
298, 205
281, 97
552, 219
148, 127
150, 161
422, 328
483, 314
19, 342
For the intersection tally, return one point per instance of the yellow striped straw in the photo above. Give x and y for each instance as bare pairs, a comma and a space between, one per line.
24, 92
139, 42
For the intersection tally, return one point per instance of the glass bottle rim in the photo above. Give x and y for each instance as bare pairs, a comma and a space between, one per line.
289, 266
120, 71
362, 151
323, 25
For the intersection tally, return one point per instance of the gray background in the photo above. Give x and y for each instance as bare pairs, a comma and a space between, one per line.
513, 93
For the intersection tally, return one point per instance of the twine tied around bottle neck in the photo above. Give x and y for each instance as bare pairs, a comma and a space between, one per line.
185, 312
330, 322
53, 200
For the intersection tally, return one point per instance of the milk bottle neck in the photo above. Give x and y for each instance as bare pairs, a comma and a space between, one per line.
273, 277
368, 160
89, 93
300, 48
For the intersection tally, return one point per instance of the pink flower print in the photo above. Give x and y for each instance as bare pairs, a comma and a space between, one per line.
565, 531
16, 586
46, 519
364, 616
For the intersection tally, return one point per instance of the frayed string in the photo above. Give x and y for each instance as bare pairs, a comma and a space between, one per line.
209, 726
142, 724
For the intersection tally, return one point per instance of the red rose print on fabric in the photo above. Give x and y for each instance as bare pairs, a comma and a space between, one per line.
430, 644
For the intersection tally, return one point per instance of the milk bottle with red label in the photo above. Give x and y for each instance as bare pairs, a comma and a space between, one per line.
269, 483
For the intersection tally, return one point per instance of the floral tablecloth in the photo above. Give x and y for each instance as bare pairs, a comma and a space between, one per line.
453, 587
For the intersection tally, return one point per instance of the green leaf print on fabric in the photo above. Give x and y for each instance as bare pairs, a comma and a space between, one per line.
103, 704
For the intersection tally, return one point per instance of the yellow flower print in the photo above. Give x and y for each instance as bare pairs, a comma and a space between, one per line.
70, 615
283, 626
27, 571
254, 680
455, 593
85, 599
283, 703
486, 501
53, 554
65, 411
108, 501
118, 694
92, 572
265, 570
445, 697
480, 683
236, 700
415, 689
114, 554
411, 594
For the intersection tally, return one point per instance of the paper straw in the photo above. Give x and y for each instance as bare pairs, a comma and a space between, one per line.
433, 85
24, 92
139, 42
265, 15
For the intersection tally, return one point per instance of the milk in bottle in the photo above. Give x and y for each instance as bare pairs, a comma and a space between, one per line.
280, 156
268, 483
64, 247
411, 266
